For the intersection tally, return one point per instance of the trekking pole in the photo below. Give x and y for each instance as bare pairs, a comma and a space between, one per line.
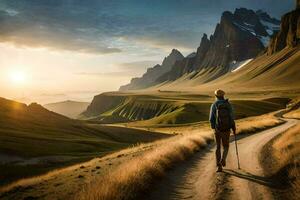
237, 152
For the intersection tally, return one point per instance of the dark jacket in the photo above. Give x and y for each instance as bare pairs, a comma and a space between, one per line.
213, 113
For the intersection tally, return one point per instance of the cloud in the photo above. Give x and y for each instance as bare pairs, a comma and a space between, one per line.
127, 69
22, 30
105, 74
53, 94
96, 26
185, 40
137, 65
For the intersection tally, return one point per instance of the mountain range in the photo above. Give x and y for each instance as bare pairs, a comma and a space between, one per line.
275, 68
240, 36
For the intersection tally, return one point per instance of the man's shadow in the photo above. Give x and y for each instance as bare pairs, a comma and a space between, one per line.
266, 181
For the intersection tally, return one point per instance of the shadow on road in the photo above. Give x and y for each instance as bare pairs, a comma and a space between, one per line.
266, 181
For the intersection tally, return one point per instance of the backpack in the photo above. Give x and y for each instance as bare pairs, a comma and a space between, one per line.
224, 121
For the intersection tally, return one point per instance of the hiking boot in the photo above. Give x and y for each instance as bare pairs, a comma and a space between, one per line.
219, 168
223, 162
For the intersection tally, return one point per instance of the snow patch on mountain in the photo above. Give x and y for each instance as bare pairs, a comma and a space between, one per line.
245, 27
270, 25
237, 65
264, 40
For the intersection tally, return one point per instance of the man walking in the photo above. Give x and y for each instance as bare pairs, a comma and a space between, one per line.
222, 121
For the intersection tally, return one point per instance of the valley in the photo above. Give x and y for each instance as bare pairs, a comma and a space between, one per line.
151, 139
72, 179
34, 140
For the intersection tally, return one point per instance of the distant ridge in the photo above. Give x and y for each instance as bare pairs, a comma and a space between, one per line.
68, 108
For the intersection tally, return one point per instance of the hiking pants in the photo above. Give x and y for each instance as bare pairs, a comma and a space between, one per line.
222, 137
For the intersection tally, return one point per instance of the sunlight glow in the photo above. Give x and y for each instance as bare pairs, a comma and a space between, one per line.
18, 76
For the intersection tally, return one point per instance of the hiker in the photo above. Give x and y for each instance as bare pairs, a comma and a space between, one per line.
222, 121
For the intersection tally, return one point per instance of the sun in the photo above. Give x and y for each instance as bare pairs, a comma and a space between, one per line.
18, 76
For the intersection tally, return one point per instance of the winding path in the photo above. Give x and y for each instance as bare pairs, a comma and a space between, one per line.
197, 179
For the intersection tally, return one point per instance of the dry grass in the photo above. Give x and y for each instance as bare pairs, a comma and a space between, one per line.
133, 171
294, 106
293, 114
254, 124
286, 150
135, 176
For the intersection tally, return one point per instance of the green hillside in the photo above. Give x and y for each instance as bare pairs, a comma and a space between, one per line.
169, 108
31, 133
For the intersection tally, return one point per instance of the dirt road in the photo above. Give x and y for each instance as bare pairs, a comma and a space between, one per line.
197, 179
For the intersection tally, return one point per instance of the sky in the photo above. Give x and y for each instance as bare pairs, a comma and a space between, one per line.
54, 50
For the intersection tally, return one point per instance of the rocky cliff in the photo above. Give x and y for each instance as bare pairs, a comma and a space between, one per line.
102, 103
289, 34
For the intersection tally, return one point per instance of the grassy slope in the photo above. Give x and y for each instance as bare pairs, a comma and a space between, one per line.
294, 104
283, 164
293, 114
31, 131
70, 109
278, 72
165, 108
195, 112
286, 152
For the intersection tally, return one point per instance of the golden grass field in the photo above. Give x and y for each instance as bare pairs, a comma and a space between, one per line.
134, 176
293, 114
286, 151
131, 169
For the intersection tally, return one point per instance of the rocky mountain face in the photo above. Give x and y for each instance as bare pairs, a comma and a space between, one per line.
150, 77
106, 101
289, 34
238, 37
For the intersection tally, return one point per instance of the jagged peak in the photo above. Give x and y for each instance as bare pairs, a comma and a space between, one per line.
172, 57
227, 15
242, 11
176, 52
204, 37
